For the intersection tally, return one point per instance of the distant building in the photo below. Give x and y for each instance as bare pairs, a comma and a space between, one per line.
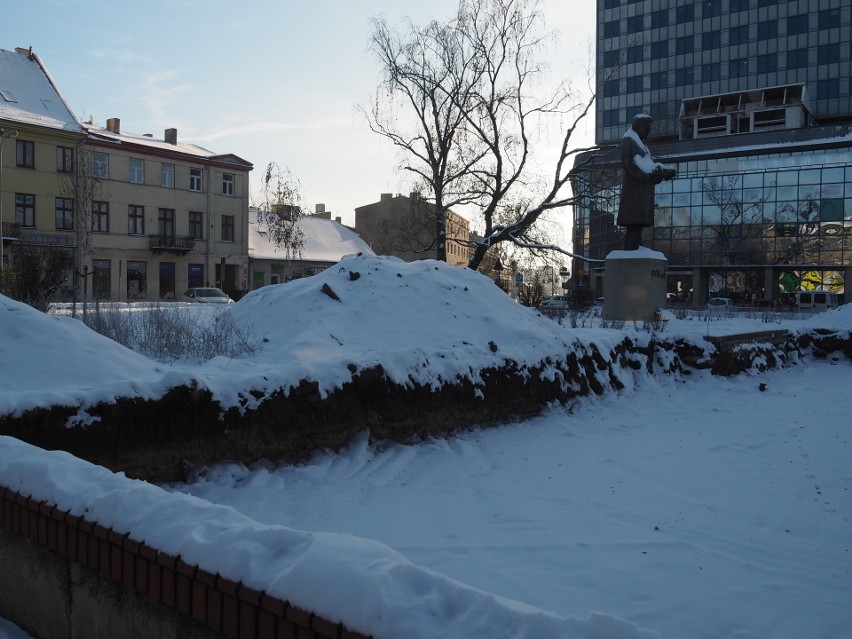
405, 226
752, 101
146, 217
324, 243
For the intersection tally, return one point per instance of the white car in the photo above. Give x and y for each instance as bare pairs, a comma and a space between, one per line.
206, 295
721, 303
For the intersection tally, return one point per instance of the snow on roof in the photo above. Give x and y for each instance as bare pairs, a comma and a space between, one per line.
28, 94
324, 241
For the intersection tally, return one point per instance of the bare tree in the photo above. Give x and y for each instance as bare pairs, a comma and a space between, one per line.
471, 86
83, 187
740, 231
279, 209
36, 272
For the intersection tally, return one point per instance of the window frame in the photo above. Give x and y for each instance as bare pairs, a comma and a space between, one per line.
100, 216
167, 175
228, 228
196, 183
64, 159
25, 154
24, 204
136, 169
64, 206
166, 222
135, 219
196, 225
100, 165
228, 184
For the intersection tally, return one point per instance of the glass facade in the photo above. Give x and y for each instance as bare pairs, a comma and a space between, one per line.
745, 221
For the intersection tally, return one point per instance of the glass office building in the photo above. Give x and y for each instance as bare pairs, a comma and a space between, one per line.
752, 103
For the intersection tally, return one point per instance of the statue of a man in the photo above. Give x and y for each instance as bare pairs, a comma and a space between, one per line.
641, 174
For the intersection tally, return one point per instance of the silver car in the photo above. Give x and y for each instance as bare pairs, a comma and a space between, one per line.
206, 295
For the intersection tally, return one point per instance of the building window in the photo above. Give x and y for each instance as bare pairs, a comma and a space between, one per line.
684, 45
195, 275
828, 89
797, 24
635, 54
766, 3
711, 40
137, 280
196, 225
738, 68
684, 77
227, 228
100, 165
634, 84
64, 159
100, 279
635, 24
25, 153
659, 18
610, 117
610, 88
24, 209
659, 50
738, 35
135, 220
166, 222
612, 29
195, 179
686, 13
711, 8
167, 175
767, 30
829, 18
64, 214
767, 63
227, 184
137, 171
739, 5
660, 80
828, 53
100, 217
797, 59
711, 72
167, 280
611, 4
612, 58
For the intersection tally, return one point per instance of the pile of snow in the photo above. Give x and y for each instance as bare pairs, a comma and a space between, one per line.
371, 587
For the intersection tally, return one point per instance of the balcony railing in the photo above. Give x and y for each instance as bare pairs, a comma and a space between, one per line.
171, 243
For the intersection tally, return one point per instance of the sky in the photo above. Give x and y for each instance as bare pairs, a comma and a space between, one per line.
268, 80
680, 506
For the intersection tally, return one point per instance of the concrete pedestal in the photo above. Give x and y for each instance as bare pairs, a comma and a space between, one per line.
634, 285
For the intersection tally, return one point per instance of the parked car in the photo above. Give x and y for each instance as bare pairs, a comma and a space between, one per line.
720, 303
206, 295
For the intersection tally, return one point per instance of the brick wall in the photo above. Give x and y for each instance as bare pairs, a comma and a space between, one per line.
223, 606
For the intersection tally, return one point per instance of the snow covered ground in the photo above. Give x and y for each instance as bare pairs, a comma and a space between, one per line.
698, 507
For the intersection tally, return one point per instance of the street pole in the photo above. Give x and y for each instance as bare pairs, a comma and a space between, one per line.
4, 135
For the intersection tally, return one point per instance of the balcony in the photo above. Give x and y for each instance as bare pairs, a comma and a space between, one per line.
180, 244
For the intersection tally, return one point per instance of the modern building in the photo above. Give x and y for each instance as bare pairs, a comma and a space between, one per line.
324, 242
144, 217
752, 102
404, 226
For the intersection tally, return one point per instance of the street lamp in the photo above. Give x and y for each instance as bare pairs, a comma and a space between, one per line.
4, 135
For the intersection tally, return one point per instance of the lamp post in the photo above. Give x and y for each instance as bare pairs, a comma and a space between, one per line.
4, 135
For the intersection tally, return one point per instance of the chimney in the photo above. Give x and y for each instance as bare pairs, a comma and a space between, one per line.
386, 196
171, 136
114, 125
338, 219
319, 208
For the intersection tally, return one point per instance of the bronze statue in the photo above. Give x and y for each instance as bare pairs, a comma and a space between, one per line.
641, 174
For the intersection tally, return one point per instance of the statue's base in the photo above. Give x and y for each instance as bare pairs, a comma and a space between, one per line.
634, 285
